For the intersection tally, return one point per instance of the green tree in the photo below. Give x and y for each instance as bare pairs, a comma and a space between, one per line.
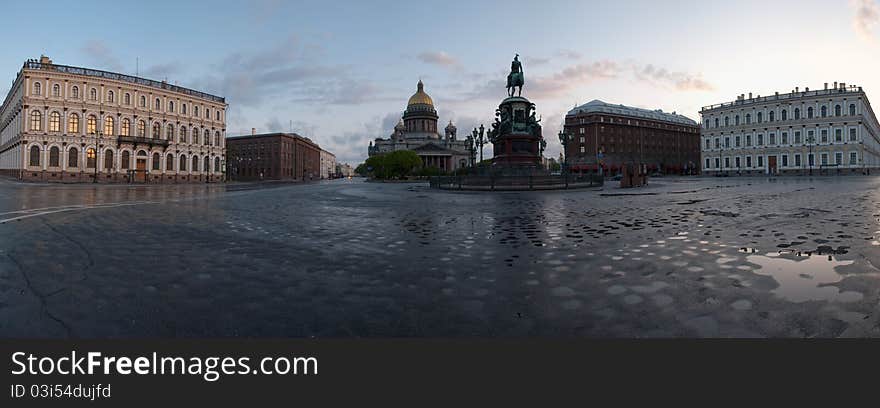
396, 164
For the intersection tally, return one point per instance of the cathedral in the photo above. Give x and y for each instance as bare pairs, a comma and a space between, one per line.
417, 131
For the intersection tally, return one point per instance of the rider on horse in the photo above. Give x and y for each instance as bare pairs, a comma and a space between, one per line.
515, 78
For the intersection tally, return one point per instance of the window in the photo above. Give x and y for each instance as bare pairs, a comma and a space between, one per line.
707, 164
73, 123
72, 157
717, 143
824, 137
837, 110
156, 161
748, 118
34, 159
810, 113
158, 105
110, 96
108, 160
784, 114
736, 120
195, 111
169, 134
56, 90
797, 113
54, 156
760, 161
195, 134
853, 158
810, 138
156, 130
207, 136
748, 140
736, 162
824, 159
797, 137
127, 98
126, 160
183, 134
216, 164
748, 161
770, 116
784, 160
797, 160
736, 141
54, 122
126, 127
716, 123
727, 162
183, 109
812, 159
852, 134
108, 126
708, 146
75, 92
760, 139
170, 106
582, 149
717, 163
38, 88
169, 163
91, 159
143, 101
726, 142
182, 162
218, 118
36, 121
93, 94
92, 125
838, 158
784, 138
142, 129
824, 111
760, 117
217, 138
838, 135
772, 139
207, 164
852, 110
726, 121
207, 113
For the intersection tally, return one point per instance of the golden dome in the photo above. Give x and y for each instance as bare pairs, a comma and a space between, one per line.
420, 97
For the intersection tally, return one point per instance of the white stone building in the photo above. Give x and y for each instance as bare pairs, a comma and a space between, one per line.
328, 164
827, 131
71, 124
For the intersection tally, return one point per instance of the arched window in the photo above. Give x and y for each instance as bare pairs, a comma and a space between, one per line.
770, 116
784, 114
72, 158
195, 136
92, 125
169, 163
748, 118
75, 92
110, 96
736, 120
824, 111
716, 122
93, 94
158, 104
217, 113
143, 101
156, 130
54, 122
73, 123
169, 134
183, 109
217, 138
726, 121
156, 161
195, 111
760, 117
109, 126
170, 106
182, 162
56, 90
810, 113
183, 134
54, 156
142, 129
852, 110
207, 162
126, 160
207, 113
127, 99
126, 127
108, 160
91, 158
38, 88
34, 159
195, 167
36, 121
797, 113
207, 135
837, 110
216, 165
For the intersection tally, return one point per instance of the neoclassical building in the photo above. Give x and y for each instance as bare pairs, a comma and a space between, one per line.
828, 131
70, 124
417, 131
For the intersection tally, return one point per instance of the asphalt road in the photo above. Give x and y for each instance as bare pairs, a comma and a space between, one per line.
750, 257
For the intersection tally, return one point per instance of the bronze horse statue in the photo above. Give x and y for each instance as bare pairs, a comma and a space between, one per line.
515, 78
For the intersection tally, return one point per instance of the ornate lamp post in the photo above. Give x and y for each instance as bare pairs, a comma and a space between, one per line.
564, 139
472, 148
480, 139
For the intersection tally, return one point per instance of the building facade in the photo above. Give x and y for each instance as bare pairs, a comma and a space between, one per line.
417, 131
344, 170
617, 135
328, 164
273, 156
70, 124
828, 131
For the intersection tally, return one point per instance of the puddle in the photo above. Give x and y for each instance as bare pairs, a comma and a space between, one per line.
804, 278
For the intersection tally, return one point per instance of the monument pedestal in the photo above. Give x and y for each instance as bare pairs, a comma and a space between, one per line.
516, 136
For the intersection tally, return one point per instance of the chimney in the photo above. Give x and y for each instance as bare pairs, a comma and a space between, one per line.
826, 86
842, 85
797, 89
750, 95
835, 84
45, 60
253, 131
807, 89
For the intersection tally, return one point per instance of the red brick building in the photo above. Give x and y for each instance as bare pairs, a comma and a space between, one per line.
665, 142
273, 156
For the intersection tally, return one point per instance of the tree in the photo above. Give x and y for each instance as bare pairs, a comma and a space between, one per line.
396, 164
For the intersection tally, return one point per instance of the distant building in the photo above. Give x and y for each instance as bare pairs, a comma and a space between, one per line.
417, 131
328, 164
827, 131
344, 170
665, 142
70, 124
273, 156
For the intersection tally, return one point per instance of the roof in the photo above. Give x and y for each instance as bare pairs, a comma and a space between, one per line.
597, 106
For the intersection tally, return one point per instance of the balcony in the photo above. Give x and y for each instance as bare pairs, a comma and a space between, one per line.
142, 141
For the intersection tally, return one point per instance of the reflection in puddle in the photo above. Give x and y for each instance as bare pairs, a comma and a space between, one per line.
803, 279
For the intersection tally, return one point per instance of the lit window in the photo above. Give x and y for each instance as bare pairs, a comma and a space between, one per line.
108, 126
142, 129
92, 125
54, 122
126, 127
73, 123
36, 121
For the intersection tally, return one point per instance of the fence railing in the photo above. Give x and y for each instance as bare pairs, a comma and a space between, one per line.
516, 182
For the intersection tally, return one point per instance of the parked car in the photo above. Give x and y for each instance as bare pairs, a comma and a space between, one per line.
617, 177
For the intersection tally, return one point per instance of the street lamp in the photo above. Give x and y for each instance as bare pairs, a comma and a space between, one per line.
565, 139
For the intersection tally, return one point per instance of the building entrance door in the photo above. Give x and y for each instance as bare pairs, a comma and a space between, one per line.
771, 164
140, 173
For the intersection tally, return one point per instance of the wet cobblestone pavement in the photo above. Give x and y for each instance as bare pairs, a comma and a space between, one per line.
750, 257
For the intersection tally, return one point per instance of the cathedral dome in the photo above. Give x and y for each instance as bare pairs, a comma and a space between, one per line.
420, 97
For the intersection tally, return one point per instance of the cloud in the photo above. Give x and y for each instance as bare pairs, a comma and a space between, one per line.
866, 18
161, 71
101, 55
679, 80
439, 58
274, 125
570, 54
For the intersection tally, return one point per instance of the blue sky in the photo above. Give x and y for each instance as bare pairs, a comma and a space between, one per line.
340, 72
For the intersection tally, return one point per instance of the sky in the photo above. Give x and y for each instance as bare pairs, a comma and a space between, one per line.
341, 72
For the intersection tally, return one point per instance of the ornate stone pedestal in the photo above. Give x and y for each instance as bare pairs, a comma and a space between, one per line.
516, 136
